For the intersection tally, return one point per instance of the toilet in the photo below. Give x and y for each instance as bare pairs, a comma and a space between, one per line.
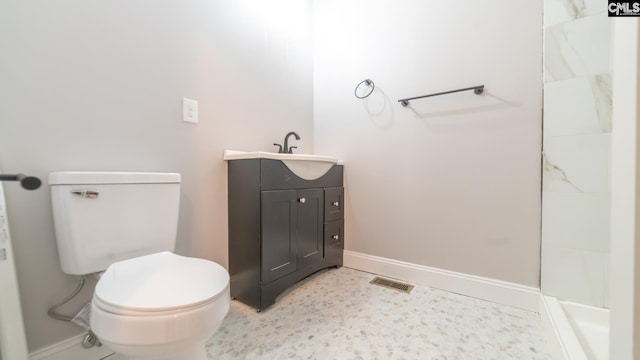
149, 303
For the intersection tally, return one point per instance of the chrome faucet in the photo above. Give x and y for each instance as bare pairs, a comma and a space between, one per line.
287, 149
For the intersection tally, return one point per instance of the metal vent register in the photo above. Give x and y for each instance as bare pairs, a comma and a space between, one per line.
392, 284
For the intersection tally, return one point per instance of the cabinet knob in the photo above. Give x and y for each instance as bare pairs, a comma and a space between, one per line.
302, 200
335, 203
335, 236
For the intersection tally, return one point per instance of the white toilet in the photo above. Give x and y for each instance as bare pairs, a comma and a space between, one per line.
149, 303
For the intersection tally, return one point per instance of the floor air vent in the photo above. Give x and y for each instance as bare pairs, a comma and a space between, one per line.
392, 284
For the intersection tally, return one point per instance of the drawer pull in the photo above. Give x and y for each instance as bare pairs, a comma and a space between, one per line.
335, 203
335, 236
302, 200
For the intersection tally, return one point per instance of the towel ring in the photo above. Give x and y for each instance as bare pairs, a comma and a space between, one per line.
367, 82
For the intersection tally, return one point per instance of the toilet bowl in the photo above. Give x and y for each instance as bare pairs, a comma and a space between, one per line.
160, 306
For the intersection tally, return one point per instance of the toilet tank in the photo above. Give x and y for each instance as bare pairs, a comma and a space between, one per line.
104, 217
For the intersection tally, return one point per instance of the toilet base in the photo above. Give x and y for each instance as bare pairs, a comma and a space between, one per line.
172, 335
192, 354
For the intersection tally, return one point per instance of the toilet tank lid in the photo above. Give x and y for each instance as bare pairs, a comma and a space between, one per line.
104, 177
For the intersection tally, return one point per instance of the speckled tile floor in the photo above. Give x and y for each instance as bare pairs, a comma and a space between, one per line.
337, 314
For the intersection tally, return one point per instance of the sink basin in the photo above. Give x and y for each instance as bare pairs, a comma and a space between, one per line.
308, 167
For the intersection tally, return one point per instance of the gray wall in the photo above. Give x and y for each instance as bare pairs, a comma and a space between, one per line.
89, 85
451, 182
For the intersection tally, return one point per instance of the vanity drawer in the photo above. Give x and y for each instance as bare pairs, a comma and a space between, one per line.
333, 203
334, 241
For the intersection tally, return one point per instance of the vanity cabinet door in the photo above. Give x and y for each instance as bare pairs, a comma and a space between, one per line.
279, 229
310, 231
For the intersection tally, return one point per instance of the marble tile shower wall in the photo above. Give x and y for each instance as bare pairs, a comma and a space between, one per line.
577, 143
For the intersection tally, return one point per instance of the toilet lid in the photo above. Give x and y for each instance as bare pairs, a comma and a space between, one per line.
162, 281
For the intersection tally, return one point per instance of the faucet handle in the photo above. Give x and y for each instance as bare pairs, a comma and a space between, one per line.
291, 149
279, 148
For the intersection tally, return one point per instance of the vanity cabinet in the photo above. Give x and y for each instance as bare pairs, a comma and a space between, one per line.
282, 228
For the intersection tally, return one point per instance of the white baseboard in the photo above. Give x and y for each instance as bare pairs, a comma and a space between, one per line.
497, 291
551, 330
560, 334
70, 349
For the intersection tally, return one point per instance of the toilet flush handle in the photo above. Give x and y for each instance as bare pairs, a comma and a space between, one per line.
91, 194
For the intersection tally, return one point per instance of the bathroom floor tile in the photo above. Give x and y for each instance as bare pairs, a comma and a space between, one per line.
337, 314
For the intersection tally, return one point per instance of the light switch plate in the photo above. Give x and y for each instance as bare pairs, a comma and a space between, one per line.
190, 110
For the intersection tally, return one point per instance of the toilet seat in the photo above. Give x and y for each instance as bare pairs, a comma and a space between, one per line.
159, 283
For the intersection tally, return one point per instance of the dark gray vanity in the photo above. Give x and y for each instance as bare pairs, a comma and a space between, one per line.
282, 228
